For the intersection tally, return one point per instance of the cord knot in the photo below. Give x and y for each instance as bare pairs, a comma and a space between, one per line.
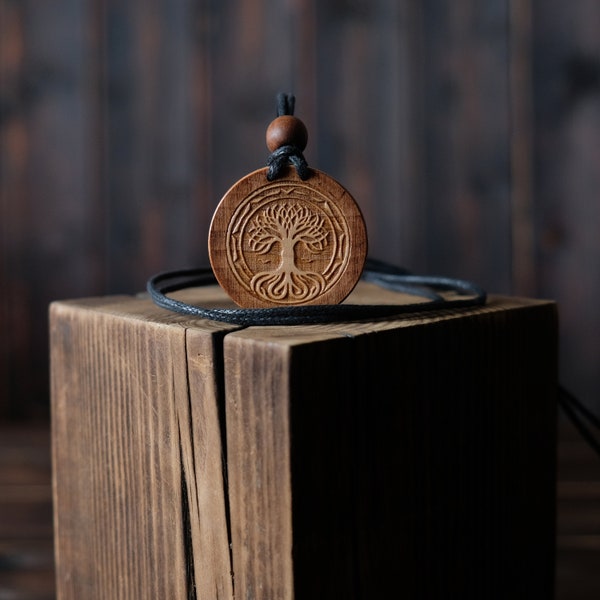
286, 139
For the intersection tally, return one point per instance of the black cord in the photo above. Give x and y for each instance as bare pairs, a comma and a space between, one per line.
285, 104
580, 416
468, 295
288, 154
383, 274
284, 156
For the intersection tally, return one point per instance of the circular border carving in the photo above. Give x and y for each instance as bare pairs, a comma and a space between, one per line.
287, 242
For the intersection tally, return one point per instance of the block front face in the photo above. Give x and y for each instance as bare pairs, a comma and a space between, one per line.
118, 464
363, 460
421, 457
449, 429
258, 459
125, 481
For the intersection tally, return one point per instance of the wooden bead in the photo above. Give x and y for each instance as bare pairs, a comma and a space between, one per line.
286, 130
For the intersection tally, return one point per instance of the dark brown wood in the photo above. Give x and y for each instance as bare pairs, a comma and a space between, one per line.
522, 173
466, 131
566, 57
467, 165
363, 459
578, 518
355, 455
26, 546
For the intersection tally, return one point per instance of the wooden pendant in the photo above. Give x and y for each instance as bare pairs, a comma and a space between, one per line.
287, 241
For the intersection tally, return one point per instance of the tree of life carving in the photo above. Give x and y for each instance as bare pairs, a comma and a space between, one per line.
287, 225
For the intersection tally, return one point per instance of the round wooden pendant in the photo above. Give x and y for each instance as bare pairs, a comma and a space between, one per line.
287, 242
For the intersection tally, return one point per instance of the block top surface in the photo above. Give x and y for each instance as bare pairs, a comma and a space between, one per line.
141, 308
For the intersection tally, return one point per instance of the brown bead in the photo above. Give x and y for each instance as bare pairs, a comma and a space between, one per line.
286, 131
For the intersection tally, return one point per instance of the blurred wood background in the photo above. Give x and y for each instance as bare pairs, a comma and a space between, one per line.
467, 130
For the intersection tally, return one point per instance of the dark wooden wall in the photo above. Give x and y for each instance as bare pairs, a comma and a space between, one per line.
467, 130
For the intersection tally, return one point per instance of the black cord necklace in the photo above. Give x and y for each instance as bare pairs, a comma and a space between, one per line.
393, 278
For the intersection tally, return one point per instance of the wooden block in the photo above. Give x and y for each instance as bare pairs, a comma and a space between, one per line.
400, 458
138, 488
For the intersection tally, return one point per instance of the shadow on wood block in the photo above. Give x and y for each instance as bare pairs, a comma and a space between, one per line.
413, 457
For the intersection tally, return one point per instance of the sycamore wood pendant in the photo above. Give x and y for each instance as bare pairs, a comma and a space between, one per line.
289, 238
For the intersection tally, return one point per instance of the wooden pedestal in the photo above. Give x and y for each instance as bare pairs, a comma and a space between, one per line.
410, 458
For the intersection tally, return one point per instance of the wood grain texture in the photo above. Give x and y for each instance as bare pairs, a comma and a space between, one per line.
203, 453
193, 458
287, 242
414, 455
134, 455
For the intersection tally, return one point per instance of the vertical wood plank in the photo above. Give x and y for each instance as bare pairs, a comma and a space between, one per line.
396, 147
368, 118
258, 457
116, 457
139, 494
567, 213
521, 149
466, 170
201, 426
14, 341
380, 460
61, 237
47, 184
205, 18
158, 98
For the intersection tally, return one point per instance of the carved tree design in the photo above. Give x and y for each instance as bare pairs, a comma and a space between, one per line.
287, 225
